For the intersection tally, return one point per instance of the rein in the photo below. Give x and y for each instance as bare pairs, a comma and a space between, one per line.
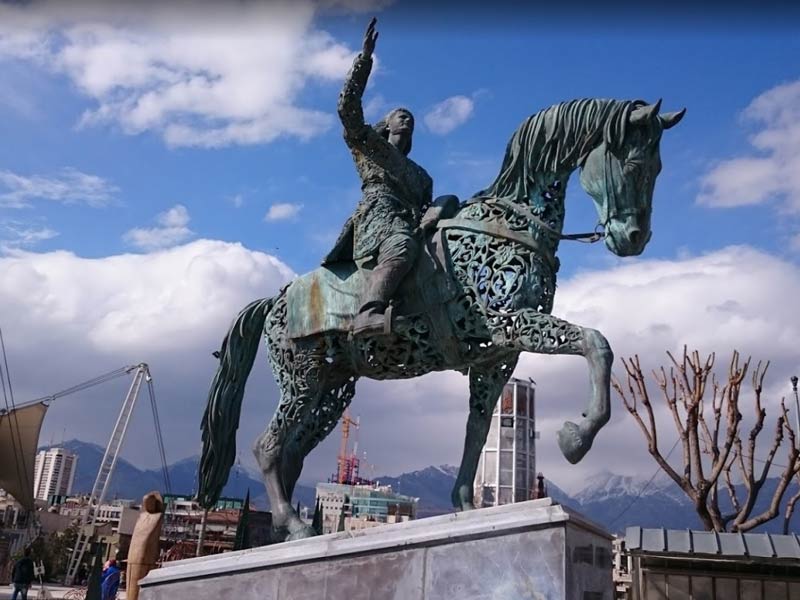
586, 238
589, 238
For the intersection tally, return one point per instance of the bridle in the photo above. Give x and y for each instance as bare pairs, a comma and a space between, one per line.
612, 210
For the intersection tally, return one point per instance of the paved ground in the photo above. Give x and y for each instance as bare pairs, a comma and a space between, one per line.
57, 592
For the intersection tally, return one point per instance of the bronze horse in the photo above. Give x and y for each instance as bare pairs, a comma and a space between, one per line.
480, 294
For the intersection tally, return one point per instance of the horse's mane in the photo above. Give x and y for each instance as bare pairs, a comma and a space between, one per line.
554, 137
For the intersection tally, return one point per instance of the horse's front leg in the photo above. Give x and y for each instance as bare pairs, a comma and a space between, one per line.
485, 387
531, 331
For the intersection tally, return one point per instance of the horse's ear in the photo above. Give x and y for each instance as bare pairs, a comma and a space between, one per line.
644, 113
671, 119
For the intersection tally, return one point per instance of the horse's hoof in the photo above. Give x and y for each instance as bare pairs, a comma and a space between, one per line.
462, 498
574, 444
301, 533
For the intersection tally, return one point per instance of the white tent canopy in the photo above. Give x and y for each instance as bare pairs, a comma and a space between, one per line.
19, 438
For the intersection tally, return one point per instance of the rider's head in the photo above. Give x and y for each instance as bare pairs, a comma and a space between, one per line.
398, 128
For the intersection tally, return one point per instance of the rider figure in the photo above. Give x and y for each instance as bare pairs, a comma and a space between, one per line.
395, 193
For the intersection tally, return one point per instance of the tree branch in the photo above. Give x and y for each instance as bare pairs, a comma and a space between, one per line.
711, 436
636, 377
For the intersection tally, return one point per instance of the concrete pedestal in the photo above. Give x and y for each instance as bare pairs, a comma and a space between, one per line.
536, 549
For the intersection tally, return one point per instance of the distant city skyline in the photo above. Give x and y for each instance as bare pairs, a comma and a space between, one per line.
162, 167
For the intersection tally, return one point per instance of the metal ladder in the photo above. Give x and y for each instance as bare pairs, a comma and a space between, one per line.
107, 465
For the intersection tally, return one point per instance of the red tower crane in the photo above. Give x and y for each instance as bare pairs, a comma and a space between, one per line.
347, 464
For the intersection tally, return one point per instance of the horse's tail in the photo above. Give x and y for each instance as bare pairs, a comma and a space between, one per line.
221, 419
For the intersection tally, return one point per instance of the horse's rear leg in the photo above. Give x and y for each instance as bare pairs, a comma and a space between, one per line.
269, 450
319, 423
299, 373
531, 331
485, 387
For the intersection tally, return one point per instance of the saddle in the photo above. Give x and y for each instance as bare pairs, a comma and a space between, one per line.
327, 299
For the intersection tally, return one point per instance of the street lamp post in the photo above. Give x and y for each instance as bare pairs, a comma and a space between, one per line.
793, 379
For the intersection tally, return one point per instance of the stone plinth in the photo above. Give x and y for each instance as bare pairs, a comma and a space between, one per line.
536, 549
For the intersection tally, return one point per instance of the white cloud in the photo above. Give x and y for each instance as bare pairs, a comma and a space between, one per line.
375, 108
82, 317
172, 229
449, 114
16, 234
67, 319
735, 298
211, 76
773, 173
282, 211
68, 186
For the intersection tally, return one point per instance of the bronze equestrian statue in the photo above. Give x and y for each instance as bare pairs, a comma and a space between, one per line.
479, 292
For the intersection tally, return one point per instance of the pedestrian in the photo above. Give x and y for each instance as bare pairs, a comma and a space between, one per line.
22, 575
110, 581
81, 576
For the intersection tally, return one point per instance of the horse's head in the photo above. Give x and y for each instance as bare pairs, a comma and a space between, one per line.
620, 178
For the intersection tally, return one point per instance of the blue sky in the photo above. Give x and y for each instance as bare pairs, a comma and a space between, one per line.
142, 143
505, 74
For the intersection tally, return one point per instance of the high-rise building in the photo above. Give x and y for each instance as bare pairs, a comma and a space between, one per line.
54, 472
507, 467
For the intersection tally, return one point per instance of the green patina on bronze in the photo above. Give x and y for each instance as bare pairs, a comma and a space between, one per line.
479, 292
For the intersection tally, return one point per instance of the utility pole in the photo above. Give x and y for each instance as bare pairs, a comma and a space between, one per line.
201, 538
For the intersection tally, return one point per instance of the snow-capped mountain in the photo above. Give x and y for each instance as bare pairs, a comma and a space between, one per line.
606, 485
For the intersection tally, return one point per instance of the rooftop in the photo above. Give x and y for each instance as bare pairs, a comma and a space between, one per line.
733, 545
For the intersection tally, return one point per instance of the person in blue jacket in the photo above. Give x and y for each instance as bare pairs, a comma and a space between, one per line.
109, 584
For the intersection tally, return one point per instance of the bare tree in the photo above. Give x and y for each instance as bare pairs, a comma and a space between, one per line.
716, 450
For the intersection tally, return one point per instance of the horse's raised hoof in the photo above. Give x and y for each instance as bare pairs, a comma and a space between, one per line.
573, 443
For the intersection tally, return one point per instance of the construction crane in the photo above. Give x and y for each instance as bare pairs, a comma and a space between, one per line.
347, 464
141, 374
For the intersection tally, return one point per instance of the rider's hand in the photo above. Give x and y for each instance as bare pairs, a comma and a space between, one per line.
370, 37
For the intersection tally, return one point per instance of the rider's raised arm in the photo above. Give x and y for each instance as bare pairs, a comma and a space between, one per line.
350, 111
358, 134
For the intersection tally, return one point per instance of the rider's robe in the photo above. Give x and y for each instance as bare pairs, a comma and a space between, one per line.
395, 190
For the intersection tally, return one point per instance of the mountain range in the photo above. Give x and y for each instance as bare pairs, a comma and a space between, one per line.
611, 500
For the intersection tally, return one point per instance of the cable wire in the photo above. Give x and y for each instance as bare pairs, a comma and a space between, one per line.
159, 438
82, 386
644, 488
19, 454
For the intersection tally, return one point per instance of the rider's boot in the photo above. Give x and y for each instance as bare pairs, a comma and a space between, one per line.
373, 317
